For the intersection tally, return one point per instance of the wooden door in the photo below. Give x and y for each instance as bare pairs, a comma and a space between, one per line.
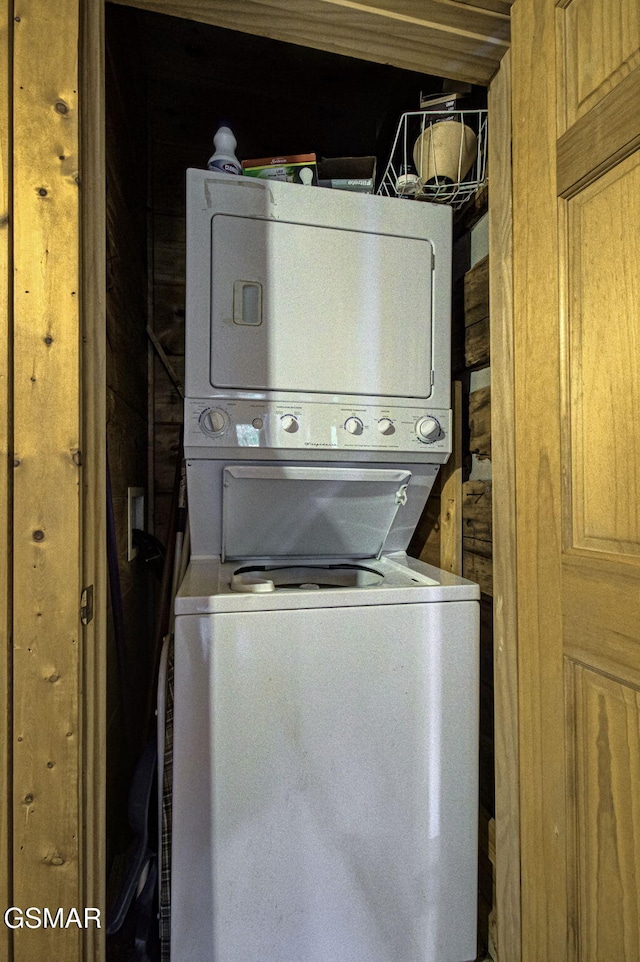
576, 178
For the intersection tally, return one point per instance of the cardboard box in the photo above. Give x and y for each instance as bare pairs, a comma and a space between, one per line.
437, 102
348, 173
294, 169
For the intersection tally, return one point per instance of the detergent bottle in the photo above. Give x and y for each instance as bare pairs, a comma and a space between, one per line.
224, 157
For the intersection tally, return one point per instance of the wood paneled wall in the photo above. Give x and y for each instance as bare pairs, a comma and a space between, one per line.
5, 451
477, 550
477, 554
127, 398
464, 491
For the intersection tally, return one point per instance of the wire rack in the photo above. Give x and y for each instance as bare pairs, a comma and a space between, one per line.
430, 162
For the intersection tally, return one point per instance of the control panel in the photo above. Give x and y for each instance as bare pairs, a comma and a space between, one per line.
242, 423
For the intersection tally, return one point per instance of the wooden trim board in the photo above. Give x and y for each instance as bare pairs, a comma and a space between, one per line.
6, 352
451, 493
543, 804
94, 550
47, 728
505, 647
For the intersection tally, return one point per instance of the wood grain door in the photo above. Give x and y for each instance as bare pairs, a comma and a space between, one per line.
576, 140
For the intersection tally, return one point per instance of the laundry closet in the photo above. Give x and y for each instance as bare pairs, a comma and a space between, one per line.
562, 79
170, 84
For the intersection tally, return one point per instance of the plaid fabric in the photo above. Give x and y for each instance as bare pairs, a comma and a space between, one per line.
167, 813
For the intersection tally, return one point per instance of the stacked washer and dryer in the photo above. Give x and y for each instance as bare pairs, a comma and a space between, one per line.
326, 685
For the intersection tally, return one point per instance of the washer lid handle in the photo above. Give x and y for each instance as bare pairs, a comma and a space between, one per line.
251, 583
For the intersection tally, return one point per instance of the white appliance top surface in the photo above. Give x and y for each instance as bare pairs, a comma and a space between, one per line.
207, 587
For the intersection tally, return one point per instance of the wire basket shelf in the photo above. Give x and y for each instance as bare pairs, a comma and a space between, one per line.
438, 156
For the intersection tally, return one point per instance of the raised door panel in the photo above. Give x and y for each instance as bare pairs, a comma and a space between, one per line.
597, 344
603, 384
601, 614
599, 351
601, 47
604, 749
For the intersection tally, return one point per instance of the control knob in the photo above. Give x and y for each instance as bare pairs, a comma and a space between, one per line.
385, 426
289, 423
427, 429
214, 421
353, 425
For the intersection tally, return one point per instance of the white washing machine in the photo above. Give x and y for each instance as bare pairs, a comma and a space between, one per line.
326, 685
325, 758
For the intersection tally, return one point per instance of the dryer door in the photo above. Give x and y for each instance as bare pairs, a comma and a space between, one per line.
315, 512
289, 299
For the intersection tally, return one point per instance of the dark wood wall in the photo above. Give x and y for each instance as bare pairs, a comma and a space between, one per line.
471, 367
127, 396
477, 550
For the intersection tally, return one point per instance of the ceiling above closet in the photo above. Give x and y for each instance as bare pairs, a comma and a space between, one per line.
458, 39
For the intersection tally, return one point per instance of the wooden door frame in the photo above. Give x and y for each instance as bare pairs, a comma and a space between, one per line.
88, 29
44, 758
94, 502
6, 387
505, 599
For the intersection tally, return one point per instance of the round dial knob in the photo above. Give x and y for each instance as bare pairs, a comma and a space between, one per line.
353, 425
385, 426
289, 423
427, 429
214, 421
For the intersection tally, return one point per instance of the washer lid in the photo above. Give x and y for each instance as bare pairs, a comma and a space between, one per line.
316, 512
